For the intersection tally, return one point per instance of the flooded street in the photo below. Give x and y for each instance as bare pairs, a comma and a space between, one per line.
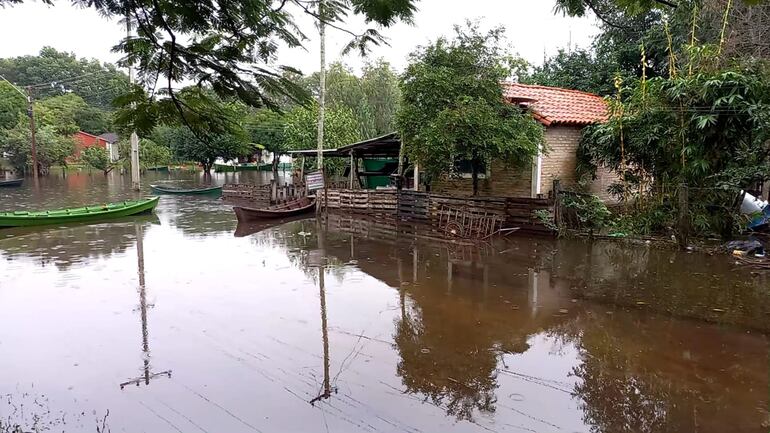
184, 321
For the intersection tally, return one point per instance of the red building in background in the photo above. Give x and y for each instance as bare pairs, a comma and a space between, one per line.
84, 140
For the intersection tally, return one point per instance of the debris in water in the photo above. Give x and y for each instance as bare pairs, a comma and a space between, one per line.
425, 351
563, 311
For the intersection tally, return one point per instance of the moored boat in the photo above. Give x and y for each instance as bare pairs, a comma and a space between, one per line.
78, 215
221, 168
292, 208
11, 182
199, 190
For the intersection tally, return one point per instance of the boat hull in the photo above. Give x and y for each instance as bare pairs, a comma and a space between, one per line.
222, 168
191, 191
11, 183
84, 214
298, 207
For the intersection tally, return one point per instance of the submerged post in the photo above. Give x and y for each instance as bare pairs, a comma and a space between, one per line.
352, 170
684, 216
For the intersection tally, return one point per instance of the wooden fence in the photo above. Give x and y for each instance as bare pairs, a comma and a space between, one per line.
262, 194
530, 214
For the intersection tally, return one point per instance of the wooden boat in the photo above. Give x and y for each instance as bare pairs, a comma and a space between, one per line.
249, 166
78, 215
11, 182
174, 190
292, 208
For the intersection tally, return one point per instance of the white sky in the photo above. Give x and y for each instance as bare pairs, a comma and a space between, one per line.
532, 30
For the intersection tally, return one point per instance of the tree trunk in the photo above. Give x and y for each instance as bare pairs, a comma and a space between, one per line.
475, 175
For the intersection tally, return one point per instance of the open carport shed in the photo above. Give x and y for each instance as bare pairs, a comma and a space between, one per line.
380, 156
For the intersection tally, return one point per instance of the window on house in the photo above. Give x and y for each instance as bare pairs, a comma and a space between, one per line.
464, 169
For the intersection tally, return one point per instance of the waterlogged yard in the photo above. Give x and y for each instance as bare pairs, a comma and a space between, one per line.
184, 321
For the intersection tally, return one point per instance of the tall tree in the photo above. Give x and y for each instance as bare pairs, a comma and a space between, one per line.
578, 70
55, 73
380, 84
12, 105
340, 129
267, 129
453, 108
228, 45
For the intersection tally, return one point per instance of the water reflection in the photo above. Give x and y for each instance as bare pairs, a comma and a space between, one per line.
143, 306
378, 325
73, 244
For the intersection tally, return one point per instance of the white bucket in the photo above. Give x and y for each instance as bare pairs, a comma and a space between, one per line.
751, 204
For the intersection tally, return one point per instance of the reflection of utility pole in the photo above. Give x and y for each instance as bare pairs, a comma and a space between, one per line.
327, 388
147, 376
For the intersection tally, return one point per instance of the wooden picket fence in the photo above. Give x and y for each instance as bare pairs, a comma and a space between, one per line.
266, 194
529, 214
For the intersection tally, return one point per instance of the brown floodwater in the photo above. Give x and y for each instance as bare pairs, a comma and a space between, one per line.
184, 321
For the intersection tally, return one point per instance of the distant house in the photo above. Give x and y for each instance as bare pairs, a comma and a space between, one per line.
84, 140
112, 144
564, 113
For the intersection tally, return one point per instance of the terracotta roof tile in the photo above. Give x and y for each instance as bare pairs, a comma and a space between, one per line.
553, 105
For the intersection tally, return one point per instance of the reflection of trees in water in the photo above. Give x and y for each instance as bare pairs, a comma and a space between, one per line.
70, 246
649, 376
454, 330
671, 282
459, 376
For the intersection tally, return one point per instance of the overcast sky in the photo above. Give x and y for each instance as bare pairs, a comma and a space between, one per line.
532, 30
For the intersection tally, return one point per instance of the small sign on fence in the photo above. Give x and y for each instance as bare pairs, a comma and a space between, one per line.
314, 181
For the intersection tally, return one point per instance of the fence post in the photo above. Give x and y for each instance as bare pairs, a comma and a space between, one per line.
557, 217
684, 215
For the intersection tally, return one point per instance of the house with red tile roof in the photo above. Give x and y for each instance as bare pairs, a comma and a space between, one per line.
564, 113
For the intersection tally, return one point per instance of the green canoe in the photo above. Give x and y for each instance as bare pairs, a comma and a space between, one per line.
174, 190
77, 215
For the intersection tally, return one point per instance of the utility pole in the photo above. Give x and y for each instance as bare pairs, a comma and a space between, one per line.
322, 88
134, 140
33, 141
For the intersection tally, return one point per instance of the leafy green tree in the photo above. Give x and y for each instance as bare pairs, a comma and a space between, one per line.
372, 98
578, 70
186, 146
93, 120
55, 73
380, 84
340, 129
52, 148
267, 129
453, 109
12, 105
97, 158
228, 46
60, 113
